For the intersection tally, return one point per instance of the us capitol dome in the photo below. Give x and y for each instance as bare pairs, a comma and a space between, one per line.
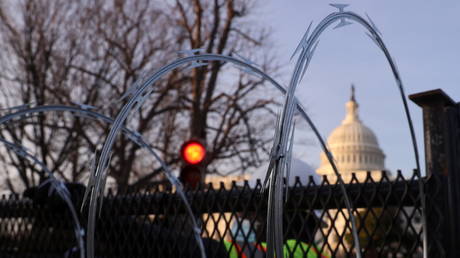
354, 147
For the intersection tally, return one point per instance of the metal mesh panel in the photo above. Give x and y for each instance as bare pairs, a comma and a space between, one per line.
153, 222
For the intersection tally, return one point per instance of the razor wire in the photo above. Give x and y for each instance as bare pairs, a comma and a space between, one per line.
284, 133
55, 186
140, 94
25, 111
308, 45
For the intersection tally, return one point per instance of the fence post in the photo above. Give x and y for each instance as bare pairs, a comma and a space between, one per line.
441, 126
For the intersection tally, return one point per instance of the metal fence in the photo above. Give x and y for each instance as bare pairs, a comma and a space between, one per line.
153, 222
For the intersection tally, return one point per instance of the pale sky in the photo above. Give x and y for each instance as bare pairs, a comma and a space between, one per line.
422, 36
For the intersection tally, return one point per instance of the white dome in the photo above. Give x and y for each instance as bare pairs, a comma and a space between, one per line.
354, 146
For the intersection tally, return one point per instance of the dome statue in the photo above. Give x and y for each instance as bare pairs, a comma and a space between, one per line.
354, 147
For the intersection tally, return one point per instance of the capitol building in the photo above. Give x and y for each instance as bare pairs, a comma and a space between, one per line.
354, 147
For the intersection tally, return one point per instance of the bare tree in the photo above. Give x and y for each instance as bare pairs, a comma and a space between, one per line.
35, 68
92, 52
224, 118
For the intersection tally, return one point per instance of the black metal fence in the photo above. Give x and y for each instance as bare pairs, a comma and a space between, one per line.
153, 223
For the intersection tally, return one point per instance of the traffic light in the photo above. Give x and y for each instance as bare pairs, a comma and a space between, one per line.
193, 154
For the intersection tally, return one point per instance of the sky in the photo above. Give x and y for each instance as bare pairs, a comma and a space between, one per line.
422, 36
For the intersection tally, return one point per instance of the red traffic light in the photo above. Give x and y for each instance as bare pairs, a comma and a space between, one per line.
193, 152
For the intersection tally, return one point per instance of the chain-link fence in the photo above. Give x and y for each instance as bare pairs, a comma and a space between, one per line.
153, 222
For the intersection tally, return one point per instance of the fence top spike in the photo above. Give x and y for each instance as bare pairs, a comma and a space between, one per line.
258, 183
297, 181
312, 182
354, 178
210, 186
